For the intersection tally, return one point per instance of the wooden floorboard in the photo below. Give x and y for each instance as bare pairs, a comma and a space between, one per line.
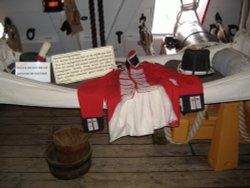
133, 162
201, 179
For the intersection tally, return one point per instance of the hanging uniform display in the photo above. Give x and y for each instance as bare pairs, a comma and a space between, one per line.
140, 97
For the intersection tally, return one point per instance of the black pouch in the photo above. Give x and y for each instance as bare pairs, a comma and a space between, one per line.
93, 124
192, 103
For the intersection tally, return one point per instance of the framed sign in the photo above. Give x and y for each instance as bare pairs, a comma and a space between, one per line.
81, 65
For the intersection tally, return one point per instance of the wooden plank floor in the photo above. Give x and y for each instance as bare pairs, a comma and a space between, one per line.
129, 162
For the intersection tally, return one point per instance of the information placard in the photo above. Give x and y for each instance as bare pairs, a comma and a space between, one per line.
81, 65
39, 71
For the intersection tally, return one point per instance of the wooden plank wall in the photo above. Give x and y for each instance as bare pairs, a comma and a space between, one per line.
128, 162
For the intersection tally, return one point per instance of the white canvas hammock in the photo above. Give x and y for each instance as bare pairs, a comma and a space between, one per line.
22, 91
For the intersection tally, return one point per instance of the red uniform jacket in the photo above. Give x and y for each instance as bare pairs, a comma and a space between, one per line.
184, 91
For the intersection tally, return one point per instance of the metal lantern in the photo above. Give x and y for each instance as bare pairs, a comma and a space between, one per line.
53, 5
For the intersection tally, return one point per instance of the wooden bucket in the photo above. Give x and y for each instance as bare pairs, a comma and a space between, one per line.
71, 144
67, 171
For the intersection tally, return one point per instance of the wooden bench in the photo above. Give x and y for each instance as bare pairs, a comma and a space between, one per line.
221, 125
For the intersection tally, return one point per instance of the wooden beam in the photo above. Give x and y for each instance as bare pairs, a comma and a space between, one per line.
179, 134
247, 115
223, 153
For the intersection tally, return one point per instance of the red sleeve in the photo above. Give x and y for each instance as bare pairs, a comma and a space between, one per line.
187, 84
91, 96
180, 88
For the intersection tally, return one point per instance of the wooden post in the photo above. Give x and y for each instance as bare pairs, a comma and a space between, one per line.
179, 134
247, 115
223, 153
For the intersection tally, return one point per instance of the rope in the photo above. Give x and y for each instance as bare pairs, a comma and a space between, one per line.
92, 22
243, 130
190, 6
192, 132
194, 33
197, 123
168, 134
186, 7
101, 22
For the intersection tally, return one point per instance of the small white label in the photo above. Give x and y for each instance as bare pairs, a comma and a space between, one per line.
39, 71
192, 103
181, 104
90, 125
198, 102
95, 124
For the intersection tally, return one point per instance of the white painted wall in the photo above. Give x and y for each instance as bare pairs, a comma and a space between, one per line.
228, 9
119, 15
